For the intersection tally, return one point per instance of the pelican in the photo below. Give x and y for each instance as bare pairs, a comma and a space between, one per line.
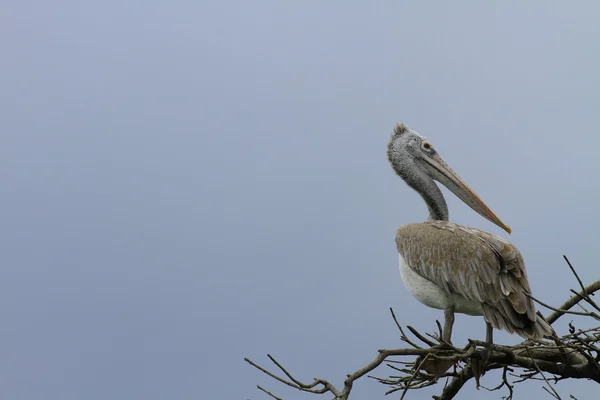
452, 267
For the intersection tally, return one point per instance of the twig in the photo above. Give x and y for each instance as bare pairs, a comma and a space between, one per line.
508, 385
573, 300
563, 310
554, 392
583, 289
403, 335
441, 332
417, 369
503, 383
420, 337
576, 275
296, 384
269, 393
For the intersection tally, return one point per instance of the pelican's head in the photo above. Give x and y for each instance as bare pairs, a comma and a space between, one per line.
413, 156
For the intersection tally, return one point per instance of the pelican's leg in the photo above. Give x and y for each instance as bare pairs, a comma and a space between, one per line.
448, 322
489, 333
489, 338
478, 367
436, 366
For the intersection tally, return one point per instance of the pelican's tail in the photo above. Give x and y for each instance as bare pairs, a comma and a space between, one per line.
529, 325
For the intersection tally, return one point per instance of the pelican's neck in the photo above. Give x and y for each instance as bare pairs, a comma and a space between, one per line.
438, 209
431, 194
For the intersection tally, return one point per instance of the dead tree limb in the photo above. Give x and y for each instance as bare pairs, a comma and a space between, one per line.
574, 355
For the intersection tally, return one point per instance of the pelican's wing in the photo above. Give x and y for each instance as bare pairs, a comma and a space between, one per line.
476, 265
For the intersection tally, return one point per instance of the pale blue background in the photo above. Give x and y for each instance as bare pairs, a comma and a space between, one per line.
187, 183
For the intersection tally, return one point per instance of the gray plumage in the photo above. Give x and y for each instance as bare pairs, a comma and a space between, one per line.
453, 267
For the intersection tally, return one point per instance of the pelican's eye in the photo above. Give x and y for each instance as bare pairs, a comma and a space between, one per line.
427, 146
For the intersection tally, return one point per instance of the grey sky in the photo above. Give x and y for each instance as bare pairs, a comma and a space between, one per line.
189, 183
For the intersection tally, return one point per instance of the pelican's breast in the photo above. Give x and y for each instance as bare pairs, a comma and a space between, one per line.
433, 296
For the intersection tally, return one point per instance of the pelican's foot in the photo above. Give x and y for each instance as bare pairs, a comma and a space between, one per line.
433, 365
485, 357
479, 365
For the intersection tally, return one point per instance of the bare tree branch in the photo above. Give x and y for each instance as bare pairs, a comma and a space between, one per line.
567, 305
585, 292
269, 393
566, 311
574, 355
554, 392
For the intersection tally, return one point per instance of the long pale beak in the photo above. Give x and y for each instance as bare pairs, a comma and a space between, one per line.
446, 176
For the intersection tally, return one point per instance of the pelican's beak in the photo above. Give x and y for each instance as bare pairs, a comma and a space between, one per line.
446, 176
